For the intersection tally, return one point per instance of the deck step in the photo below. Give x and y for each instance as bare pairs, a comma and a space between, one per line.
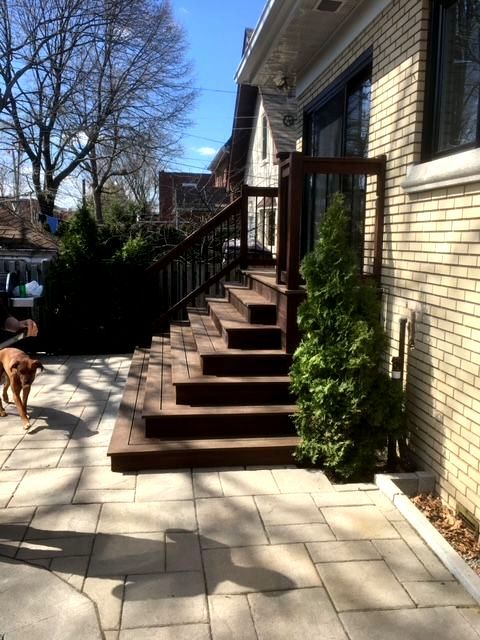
194, 388
218, 360
164, 415
238, 333
251, 305
131, 450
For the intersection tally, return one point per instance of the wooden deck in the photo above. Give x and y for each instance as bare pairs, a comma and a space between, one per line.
192, 400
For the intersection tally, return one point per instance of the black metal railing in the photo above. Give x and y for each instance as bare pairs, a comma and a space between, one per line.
242, 234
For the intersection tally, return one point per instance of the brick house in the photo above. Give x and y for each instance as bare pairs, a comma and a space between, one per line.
188, 197
400, 78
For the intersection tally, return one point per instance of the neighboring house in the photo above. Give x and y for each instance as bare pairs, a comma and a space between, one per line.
18, 235
401, 78
188, 197
263, 127
220, 165
25, 248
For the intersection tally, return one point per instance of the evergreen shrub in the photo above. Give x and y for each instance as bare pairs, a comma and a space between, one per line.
347, 406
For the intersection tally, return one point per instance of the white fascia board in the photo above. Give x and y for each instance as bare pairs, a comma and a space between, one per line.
341, 39
275, 18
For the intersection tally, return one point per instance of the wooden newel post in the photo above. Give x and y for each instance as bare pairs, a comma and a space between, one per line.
294, 212
244, 228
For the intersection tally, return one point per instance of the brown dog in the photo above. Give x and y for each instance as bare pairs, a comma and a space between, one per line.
18, 371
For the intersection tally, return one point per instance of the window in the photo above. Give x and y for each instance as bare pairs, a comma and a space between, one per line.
453, 101
264, 137
337, 125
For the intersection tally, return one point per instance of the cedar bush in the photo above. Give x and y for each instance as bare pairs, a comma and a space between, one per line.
347, 407
96, 298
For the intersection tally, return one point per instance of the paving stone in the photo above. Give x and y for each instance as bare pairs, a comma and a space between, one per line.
64, 521
229, 521
177, 632
147, 516
31, 443
304, 613
444, 623
164, 599
72, 569
259, 568
101, 496
288, 509
85, 457
472, 615
104, 478
230, 618
207, 484
88, 438
43, 432
305, 480
401, 560
183, 552
10, 442
356, 486
29, 606
164, 486
299, 533
436, 594
247, 483
342, 498
342, 551
46, 486
107, 593
16, 516
9, 547
6, 491
11, 426
55, 547
357, 523
15, 475
33, 459
120, 554
366, 584
430, 561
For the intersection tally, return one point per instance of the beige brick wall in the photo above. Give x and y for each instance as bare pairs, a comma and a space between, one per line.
431, 261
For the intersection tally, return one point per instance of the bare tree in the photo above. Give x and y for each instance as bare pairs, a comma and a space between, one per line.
101, 66
130, 157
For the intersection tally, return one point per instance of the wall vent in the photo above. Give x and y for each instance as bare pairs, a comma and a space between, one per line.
328, 5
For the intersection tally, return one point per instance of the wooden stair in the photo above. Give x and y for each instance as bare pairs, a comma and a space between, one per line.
213, 392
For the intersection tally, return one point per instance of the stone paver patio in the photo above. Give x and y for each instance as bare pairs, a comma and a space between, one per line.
202, 554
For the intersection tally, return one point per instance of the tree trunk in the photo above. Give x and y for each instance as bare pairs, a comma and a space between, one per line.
96, 186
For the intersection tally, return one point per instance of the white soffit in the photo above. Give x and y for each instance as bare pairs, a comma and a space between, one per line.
295, 39
339, 41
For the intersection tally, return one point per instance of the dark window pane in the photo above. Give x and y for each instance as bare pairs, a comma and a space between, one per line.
459, 76
327, 125
357, 119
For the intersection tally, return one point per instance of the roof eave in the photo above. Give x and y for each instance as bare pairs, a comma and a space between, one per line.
275, 18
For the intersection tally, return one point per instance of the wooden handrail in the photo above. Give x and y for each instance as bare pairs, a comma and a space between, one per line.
343, 165
187, 242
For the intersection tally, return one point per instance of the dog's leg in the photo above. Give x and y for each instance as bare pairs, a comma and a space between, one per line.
6, 385
15, 384
6, 382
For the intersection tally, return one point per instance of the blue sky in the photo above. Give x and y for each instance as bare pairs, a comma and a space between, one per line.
214, 31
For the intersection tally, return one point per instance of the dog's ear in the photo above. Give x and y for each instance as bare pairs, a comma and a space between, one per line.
15, 364
37, 365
